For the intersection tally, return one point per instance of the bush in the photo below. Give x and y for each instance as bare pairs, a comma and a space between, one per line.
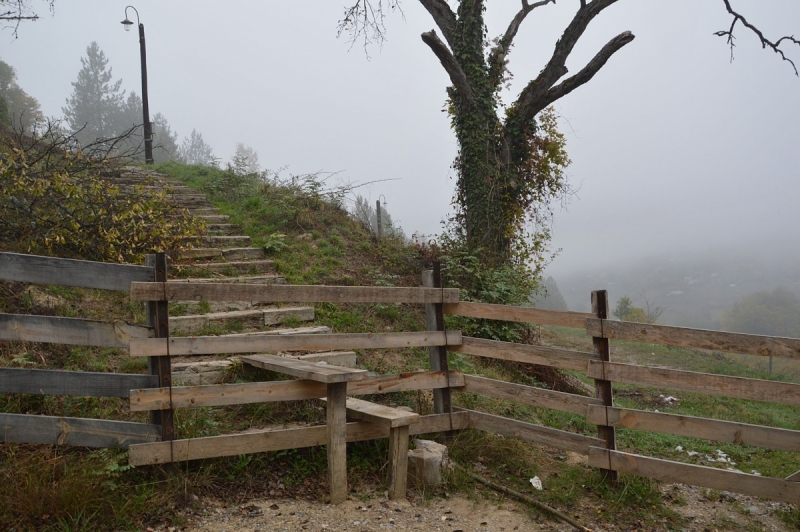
54, 202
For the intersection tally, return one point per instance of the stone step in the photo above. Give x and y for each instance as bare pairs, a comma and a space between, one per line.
201, 211
223, 229
227, 268
214, 218
250, 279
225, 241
315, 329
255, 317
230, 254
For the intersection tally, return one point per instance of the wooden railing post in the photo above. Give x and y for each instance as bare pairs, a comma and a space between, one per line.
603, 387
434, 320
161, 366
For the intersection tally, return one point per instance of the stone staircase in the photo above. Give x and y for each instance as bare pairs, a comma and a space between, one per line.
223, 256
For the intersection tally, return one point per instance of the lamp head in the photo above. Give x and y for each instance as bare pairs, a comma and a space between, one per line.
127, 23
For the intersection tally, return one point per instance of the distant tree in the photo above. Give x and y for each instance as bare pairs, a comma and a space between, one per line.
93, 109
23, 111
775, 313
194, 150
245, 160
549, 296
165, 141
368, 216
625, 311
5, 121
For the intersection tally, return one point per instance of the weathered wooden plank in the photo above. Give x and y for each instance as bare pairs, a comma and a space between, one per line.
794, 477
50, 430
437, 355
528, 354
161, 366
276, 440
511, 428
290, 293
72, 331
263, 392
305, 370
696, 427
602, 387
209, 345
381, 414
398, 462
68, 272
336, 418
564, 402
707, 477
722, 385
749, 344
518, 314
74, 383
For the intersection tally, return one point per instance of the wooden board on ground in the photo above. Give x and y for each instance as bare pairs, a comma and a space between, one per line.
528, 354
380, 414
71, 331
277, 440
749, 344
690, 381
291, 293
263, 392
707, 477
565, 402
73, 383
511, 428
50, 430
518, 314
318, 372
210, 345
68, 272
696, 427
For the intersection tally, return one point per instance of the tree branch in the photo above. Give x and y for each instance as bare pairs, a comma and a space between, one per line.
556, 67
499, 51
443, 16
586, 73
764, 41
457, 76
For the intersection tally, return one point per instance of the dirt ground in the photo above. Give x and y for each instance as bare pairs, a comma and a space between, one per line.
495, 514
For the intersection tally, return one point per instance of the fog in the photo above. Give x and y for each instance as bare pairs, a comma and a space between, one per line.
676, 150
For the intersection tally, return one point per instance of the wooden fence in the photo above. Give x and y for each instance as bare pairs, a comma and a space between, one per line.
22, 428
154, 393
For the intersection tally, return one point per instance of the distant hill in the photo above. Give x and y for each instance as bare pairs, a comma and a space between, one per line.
695, 289
549, 298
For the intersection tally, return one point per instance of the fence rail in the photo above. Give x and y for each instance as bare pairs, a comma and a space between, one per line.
517, 314
70, 331
528, 354
72, 383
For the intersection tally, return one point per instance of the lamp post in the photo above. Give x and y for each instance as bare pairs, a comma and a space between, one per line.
148, 130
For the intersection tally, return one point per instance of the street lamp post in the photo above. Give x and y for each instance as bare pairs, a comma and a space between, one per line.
148, 129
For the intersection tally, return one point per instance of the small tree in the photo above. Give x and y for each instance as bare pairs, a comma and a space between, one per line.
625, 311
245, 160
194, 150
775, 313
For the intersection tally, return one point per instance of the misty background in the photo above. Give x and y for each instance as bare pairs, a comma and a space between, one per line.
685, 164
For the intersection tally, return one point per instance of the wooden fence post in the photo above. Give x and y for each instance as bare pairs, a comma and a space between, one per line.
161, 367
603, 387
434, 319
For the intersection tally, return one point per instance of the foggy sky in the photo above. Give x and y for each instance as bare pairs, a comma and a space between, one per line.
674, 147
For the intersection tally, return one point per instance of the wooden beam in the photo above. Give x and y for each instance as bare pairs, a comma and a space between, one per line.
160, 366
721, 385
276, 440
277, 391
529, 432
602, 385
748, 344
209, 345
707, 477
380, 414
290, 293
336, 425
528, 354
437, 355
71, 331
49, 430
68, 272
305, 370
518, 314
74, 383
564, 402
696, 427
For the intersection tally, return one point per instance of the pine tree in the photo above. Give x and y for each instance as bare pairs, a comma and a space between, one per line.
165, 141
93, 108
22, 110
194, 150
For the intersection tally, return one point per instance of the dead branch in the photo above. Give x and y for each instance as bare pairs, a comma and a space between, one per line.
450, 64
765, 43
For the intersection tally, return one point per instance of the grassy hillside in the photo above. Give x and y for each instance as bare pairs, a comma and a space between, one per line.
307, 231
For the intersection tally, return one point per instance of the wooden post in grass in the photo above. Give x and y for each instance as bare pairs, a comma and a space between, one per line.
603, 387
434, 319
158, 319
